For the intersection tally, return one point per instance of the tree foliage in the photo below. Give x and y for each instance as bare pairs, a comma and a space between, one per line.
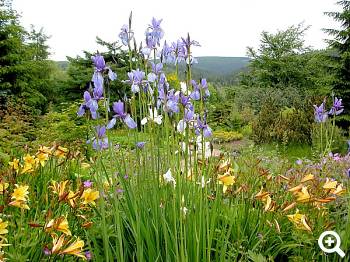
341, 56
25, 70
282, 60
80, 70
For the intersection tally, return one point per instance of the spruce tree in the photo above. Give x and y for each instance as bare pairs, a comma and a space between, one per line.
341, 44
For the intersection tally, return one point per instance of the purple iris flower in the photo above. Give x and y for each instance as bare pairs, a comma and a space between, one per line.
99, 62
337, 107
89, 104
101, 141
126, 35
185, 100
180, 51
320, 114
348, 172
189, 114
173, 102
140, 145
188, 42
146, 51
168, 53
151, 77
207, 132
154, 34
118, 108
157, 68
188, 117
100, 67
195, 95
170, 100
163, 83
204, 86
135, 79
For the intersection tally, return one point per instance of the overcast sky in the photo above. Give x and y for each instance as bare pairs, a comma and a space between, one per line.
223, 27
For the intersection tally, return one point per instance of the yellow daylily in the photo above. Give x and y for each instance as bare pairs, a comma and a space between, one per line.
224, 165
14, 164
89, 196
42, 158
72, 198
76, 249
303, 195
326, 199
3, 187
3, 226
262, 194
59, 224
20, 193
227, 181
296, 188
308, 177
59, 188
288, 207
329, 184
270, 205
61, 151
300, 221
20, 197
19, 204
45, 150
57, 243
339, 190
28, 159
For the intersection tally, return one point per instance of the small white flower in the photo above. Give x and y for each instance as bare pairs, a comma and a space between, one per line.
168, 177
183, 87
153, 116
203, 183
184, 210
181, 126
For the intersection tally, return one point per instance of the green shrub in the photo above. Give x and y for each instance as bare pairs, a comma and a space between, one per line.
247, 130
283, 124
227, 136
63, 127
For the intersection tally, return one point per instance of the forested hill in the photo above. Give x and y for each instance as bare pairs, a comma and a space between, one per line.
221, 65
208, 66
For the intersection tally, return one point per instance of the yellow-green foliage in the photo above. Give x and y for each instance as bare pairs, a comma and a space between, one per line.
227, 136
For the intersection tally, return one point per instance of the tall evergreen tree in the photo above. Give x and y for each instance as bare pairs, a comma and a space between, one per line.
341, 44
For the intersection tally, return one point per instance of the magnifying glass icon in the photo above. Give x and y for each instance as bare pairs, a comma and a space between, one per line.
329, 236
